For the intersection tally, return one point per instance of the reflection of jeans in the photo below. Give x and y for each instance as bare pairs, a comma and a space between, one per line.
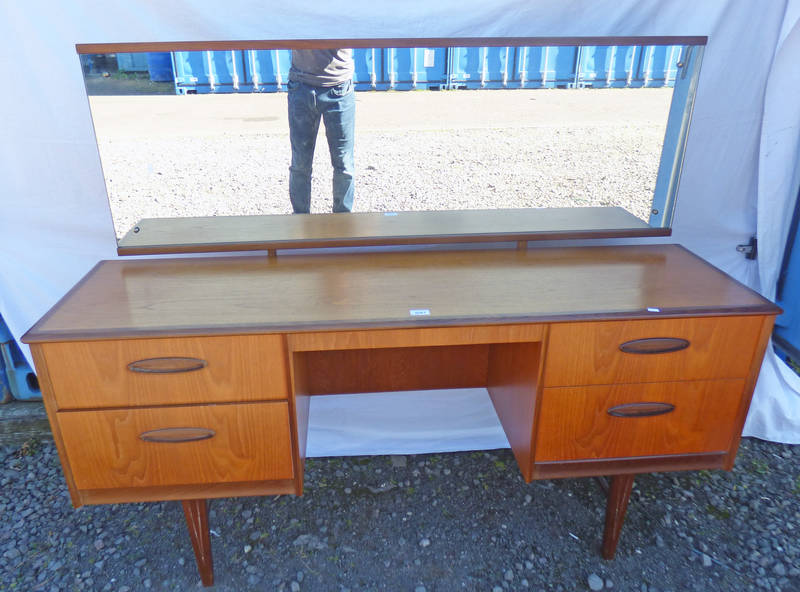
337, 106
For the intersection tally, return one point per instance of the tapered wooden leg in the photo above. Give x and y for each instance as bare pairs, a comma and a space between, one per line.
196, 513
618, 495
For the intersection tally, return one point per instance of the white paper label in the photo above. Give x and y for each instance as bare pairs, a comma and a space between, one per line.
390, 213
429, 58
653, 309
419, 312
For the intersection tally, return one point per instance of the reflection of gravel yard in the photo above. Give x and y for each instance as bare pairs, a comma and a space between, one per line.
590, 162
438, 523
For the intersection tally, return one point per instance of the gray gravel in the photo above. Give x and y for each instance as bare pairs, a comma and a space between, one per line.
459, 521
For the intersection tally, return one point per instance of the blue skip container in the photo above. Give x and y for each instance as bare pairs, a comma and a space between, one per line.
786, 334
159, 65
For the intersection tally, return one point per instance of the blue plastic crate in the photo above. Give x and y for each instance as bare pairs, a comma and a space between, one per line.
18, 377
5, 390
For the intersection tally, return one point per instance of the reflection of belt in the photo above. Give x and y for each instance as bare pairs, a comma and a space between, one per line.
324, 86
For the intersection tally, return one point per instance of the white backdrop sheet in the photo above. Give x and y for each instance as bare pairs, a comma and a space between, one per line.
775, 412
739, 170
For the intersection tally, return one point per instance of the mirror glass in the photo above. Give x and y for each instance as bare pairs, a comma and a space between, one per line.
206, 132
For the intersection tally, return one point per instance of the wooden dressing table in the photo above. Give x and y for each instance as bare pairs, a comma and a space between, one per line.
188, 379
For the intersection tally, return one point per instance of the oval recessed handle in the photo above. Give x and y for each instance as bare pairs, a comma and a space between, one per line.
645, 409
171, 435
170, 365
654, 345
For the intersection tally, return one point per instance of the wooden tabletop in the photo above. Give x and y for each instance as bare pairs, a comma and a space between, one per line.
301, 231
248, 294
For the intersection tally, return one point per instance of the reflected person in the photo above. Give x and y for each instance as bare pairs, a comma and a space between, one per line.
321, 85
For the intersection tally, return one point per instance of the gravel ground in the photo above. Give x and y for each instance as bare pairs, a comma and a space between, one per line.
457, 521
608, 157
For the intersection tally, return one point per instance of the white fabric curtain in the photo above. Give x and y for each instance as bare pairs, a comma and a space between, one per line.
55, 221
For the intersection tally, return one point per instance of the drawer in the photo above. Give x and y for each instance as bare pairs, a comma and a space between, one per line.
590, 353
92, 374
630, 420
249, 442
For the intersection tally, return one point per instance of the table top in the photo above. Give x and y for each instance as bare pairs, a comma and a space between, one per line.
254, 294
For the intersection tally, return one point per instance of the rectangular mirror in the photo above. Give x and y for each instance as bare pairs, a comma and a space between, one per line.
455, 139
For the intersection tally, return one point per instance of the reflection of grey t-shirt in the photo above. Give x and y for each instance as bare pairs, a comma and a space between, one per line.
321, 67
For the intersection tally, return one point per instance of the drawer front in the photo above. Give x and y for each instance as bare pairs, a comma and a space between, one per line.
590, 353
631, 420
249, 442
94, 374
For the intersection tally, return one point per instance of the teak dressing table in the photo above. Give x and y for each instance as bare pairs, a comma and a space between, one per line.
190, 378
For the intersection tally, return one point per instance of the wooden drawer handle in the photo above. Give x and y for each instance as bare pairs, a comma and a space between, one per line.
640, 409
177, 435
654, 345
167, 365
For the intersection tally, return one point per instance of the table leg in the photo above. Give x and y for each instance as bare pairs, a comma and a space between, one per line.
196, 512
618, 495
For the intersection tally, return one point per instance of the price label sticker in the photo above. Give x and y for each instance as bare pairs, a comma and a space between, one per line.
420, 312
653, 309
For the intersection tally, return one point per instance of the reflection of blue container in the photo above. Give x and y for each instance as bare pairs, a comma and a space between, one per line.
208, 71
266, 70
133, 62
368, 68
545, 67
414, 68
159, 65
190, 71
622, 64
480, 67
786, 335
658, 65
438, 68
606, 66
19, 376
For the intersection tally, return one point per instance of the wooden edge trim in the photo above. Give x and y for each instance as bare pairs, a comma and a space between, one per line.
187, 492
298, 415
133, 47
411, 337
411, 323
749, 388
769, 306
50, 406
205, 403
124, 249
530, 474
29, 336
625, 466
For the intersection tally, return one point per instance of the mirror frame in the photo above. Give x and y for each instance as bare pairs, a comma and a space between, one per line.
241, 233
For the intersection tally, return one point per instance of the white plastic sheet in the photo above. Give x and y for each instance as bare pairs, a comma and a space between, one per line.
55, 221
